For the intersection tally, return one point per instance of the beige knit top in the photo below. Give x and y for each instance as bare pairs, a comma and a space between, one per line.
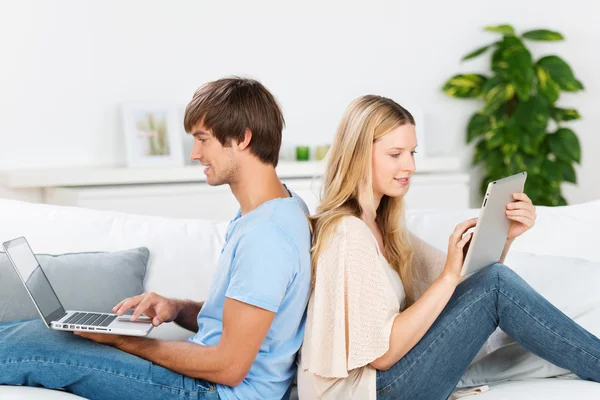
351, 311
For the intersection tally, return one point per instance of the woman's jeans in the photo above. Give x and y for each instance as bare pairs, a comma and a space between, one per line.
494, 296
33, 355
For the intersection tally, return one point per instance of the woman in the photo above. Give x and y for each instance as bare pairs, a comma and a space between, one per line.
389, 316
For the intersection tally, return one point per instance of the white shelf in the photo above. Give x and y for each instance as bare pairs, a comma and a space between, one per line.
103, 176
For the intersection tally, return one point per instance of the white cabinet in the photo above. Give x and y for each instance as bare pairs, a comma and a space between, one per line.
199, 200
183, 193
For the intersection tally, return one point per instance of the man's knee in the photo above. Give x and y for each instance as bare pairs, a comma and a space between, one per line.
30, 338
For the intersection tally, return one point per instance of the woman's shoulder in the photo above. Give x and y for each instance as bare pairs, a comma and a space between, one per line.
352, 226
351, 234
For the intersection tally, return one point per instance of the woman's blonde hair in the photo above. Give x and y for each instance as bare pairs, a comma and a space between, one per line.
348, 176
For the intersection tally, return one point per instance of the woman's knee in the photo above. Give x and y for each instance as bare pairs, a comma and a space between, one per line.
500, 273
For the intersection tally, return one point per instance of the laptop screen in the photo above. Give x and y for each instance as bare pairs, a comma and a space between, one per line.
30, 272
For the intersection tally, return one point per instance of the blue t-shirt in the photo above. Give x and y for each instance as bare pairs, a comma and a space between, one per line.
265, 262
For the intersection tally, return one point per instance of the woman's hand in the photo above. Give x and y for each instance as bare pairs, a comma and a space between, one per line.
458, 245
522, 215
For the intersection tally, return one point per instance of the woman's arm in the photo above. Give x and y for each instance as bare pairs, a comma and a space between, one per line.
412, 324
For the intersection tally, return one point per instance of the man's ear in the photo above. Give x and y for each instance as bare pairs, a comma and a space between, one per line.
243, 144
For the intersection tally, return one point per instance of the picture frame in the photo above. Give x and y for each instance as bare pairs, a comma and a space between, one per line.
187, 139
152, 135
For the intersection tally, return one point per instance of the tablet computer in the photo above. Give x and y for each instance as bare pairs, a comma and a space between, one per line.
492, 226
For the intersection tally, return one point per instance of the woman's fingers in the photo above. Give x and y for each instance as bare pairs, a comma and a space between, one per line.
521, 212
461, 228
462, 243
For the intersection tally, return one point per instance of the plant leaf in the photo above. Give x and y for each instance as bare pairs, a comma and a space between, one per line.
562, 201
543, 34
534, 187
561, 73
551, 171
533, 163
479, 124
464, 85
546, 85
564, 144
497, 96
564, 114
506, 30
477, 52
513, 62
493, 140
479, 153
567, 171
532, 116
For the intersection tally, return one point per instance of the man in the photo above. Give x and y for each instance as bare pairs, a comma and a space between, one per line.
250, 327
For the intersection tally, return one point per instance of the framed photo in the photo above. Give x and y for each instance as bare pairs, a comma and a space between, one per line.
152, 135
187, 139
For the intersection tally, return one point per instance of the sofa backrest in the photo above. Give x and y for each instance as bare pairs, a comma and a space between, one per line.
184, 252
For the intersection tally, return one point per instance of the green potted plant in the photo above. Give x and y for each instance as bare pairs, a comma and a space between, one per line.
520, 128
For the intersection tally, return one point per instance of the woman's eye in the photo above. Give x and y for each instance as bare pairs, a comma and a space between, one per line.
413, 152
396, 155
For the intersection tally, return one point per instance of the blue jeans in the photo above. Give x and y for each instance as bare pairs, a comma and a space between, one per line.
494, 296
33, 355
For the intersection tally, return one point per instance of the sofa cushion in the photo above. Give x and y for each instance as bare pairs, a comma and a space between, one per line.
569, 231
33, 393
570, 284
82, 281
183, 252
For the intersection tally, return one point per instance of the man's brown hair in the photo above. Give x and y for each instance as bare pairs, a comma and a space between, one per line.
229, 106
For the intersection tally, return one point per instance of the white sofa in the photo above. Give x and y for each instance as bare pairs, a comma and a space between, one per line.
183, 254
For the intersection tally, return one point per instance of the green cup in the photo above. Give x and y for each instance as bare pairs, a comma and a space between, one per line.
302, 153
321, 152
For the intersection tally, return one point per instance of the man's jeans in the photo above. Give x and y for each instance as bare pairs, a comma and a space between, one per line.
33, 355
494, 296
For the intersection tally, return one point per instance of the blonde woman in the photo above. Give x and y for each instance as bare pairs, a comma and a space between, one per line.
389, 316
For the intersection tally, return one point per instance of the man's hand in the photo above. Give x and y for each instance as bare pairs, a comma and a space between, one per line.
112, 340
244, 330
160, 309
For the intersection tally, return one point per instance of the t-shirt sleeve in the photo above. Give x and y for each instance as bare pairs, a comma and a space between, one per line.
265, 263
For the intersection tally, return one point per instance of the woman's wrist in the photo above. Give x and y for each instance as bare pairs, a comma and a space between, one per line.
451, 279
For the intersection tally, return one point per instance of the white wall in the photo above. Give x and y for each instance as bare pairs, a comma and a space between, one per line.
66, 66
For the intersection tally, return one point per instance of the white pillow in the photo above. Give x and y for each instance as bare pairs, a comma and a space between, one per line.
560, 231
571, 284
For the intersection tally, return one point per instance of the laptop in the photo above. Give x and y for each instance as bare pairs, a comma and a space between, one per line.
49, 306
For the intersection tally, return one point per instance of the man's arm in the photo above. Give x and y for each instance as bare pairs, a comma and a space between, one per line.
187, 315
244, 330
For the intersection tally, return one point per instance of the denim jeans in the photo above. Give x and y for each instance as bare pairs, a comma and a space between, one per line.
494, 296
33, 355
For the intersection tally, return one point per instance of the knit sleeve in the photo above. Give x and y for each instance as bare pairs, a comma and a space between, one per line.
352, 308
428, 263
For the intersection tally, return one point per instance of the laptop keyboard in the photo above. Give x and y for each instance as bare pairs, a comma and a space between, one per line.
90, 319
